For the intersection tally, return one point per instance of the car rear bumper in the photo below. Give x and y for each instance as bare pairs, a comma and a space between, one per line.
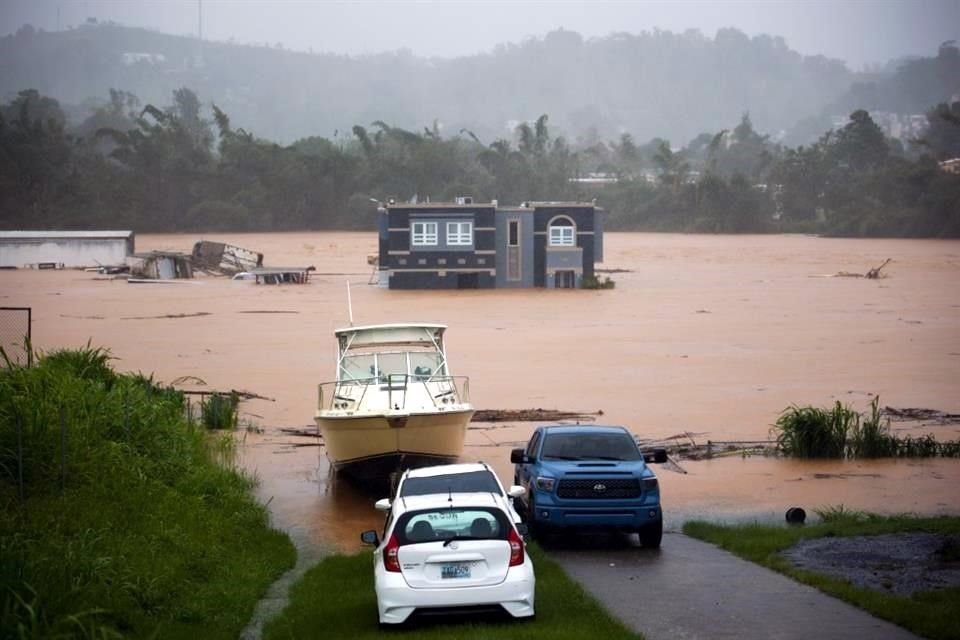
396, 601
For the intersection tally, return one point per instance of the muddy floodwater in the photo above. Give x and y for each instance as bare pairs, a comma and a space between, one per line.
711, 335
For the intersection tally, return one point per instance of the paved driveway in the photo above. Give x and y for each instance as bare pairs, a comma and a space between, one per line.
690, 590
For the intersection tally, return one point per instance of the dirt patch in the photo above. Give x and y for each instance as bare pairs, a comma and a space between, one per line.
901, 564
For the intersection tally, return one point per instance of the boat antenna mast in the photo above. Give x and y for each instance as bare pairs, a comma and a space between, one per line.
349, 304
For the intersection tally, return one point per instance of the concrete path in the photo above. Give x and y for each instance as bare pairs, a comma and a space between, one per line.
690, 590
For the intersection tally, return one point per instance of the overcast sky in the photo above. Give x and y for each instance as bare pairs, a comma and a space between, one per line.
857, 31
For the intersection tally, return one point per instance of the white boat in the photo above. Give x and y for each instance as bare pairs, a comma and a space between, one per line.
394, 404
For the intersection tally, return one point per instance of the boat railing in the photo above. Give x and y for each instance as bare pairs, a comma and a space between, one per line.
350, 395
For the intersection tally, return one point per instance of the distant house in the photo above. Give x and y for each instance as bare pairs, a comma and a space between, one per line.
64, 248
467, 245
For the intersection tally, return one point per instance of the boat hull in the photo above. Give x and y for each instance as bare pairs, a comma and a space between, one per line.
376, 445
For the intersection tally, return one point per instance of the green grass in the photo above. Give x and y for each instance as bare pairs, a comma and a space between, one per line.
129, 526
336, 599
841, 432
219, 411
932, 614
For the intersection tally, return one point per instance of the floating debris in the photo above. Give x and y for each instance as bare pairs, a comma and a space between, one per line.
532, 415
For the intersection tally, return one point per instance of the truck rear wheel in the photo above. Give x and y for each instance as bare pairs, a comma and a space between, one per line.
651, 535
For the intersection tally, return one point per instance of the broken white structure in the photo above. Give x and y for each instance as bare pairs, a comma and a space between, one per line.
59, 249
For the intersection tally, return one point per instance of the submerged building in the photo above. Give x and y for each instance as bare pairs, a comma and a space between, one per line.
59, 249
467, 245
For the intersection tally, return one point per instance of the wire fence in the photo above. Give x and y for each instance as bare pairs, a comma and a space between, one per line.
39, 445
15, 336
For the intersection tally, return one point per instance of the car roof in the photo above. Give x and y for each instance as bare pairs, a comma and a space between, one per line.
593, 428
442, 500
447, 469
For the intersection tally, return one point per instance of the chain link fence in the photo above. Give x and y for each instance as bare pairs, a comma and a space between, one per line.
15, 341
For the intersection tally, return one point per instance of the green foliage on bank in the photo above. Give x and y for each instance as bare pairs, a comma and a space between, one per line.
115, 518
336, 599
841, 432
931, 614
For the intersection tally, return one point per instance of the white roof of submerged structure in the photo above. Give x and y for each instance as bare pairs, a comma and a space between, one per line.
57, 235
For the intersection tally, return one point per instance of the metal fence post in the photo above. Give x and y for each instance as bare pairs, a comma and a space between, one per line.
63, 448
20, 456
29, 345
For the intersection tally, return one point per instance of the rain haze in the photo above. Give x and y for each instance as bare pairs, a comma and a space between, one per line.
859, 32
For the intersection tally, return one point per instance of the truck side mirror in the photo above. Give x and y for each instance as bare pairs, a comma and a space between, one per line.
517, 456
659, 455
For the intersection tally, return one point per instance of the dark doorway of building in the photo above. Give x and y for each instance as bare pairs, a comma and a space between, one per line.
564, 279
468, 280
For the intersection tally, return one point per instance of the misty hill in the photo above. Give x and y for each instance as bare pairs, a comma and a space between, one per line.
650, 84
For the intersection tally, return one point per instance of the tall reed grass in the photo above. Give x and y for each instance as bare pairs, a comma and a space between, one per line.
841, 432
128, 525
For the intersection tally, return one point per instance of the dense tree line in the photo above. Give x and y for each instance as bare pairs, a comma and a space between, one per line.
173, 169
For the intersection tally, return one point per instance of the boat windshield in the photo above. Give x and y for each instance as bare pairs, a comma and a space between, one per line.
422, 365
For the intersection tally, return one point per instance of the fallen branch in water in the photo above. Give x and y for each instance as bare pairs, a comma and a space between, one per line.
531, 415
243, 395
306, 432
871, 274
921, 415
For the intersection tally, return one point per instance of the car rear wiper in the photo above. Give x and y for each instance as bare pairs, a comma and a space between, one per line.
452, 538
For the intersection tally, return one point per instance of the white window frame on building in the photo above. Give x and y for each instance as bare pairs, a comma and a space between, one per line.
460, 234
423, 234
562, 235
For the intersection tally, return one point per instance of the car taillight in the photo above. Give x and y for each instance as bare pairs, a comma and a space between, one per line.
390, 560
516, 547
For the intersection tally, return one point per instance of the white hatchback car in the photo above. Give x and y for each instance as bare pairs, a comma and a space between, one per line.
451, 553
464, 477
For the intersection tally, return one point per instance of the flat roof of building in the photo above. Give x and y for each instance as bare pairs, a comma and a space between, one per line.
55, 235
440, 205
486, 205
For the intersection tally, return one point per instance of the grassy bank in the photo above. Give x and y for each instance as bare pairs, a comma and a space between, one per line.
932, 614
336, 600
116, 520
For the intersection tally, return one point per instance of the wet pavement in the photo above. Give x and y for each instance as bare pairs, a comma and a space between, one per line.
691, 590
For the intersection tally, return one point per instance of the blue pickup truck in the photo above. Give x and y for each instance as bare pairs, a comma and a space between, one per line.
589, 477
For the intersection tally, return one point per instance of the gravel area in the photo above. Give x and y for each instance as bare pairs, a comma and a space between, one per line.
902, 564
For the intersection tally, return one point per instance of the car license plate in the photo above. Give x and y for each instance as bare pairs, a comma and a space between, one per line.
459, 570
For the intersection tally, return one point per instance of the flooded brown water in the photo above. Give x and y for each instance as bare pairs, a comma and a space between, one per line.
713, 335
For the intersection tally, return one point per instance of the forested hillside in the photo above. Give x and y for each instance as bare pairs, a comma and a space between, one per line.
650, 84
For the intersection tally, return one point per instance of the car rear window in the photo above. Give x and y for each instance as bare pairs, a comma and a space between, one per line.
444, 523
472, 481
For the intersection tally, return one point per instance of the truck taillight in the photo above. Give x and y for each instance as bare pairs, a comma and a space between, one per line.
516, 547
390, 560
